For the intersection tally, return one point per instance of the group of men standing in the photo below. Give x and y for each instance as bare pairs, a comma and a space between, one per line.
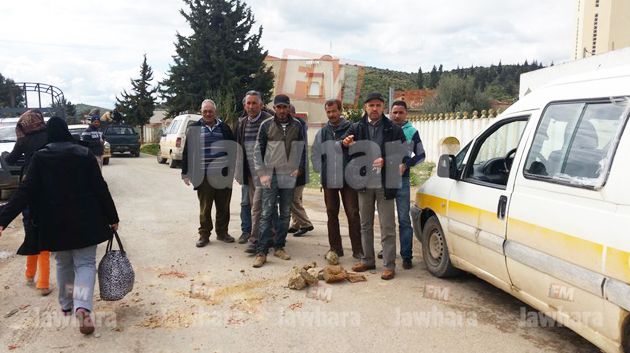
361, 165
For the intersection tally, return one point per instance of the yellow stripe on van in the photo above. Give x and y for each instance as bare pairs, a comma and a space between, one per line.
564, 246
618, 264
436, 204
561, 245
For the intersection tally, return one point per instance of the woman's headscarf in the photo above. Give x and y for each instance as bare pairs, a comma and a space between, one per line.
30, 122
58, 131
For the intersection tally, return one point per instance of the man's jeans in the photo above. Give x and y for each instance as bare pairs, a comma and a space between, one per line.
246, 211
274, 198
404, 221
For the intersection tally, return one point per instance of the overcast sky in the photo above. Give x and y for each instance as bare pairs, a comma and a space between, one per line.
91, 49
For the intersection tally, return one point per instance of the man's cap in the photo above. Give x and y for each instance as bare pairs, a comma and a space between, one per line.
281, 99
373, 96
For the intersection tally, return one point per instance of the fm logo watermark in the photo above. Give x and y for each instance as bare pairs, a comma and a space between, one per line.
320, 291
562, 292
436, 293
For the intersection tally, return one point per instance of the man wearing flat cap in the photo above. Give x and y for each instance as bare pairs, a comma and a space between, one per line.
279, 158
377, 140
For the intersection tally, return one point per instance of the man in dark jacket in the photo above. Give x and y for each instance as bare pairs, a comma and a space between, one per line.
207, 162
73, 212
380, 142
330, 160
279, 159
92, 137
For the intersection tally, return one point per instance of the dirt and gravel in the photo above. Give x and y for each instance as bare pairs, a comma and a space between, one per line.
211, 300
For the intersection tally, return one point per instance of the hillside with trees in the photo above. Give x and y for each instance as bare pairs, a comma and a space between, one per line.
471, 87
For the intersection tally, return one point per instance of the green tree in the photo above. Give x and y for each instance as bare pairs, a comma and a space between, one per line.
420, 78
456, 94
11, 95
138, 106
222, 54
434, 78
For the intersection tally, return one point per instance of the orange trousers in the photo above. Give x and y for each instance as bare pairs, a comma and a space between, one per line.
39, 263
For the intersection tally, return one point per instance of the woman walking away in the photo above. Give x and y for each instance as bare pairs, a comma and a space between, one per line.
72, 212
30, 131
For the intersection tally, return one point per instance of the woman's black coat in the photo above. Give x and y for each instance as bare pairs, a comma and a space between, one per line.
69, 200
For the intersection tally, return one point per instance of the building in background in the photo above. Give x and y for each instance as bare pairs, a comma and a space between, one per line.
415, 98
602, 26
310, 79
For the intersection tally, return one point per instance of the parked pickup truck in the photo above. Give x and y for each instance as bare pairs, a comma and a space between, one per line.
123, 138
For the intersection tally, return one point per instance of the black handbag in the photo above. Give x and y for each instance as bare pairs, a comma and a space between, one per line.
115, 273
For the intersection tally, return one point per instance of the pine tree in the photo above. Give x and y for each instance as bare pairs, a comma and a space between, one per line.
434, 78
420, 78
222, 55
137, 106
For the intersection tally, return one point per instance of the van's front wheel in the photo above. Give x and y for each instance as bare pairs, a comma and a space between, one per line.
435, 250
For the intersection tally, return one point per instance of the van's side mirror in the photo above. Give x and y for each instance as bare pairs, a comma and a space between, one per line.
447, 168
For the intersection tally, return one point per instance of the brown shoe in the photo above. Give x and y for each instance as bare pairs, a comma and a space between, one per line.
260, 260
282, 254
86, 326
361, 267
388, 274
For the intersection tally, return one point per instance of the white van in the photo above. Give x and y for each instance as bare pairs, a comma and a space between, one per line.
539, 206
173, 139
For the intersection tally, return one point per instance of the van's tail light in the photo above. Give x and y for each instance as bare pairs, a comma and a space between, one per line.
178, 143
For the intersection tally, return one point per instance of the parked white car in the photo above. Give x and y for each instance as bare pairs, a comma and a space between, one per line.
173, 139
539, 206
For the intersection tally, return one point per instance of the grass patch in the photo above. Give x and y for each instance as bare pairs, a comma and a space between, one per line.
151, 148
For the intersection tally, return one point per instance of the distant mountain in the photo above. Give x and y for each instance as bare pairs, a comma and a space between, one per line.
83, 109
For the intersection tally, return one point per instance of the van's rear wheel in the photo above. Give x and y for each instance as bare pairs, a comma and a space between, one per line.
159, 157
435, 250
173, 163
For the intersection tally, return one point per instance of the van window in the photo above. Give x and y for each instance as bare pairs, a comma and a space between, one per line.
575, 141
493, 154
174, 126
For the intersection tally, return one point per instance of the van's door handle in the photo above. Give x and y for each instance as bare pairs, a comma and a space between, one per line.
502, 207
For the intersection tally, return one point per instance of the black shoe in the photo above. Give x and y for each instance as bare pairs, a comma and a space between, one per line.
380, 254
203, 241
226, 238
292, 230
357, 256
407, 264
243, 238
303, 231
251, 248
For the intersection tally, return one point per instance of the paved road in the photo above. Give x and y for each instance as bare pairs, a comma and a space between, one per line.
212, 300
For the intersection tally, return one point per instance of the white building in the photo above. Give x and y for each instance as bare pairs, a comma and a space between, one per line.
601, 26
